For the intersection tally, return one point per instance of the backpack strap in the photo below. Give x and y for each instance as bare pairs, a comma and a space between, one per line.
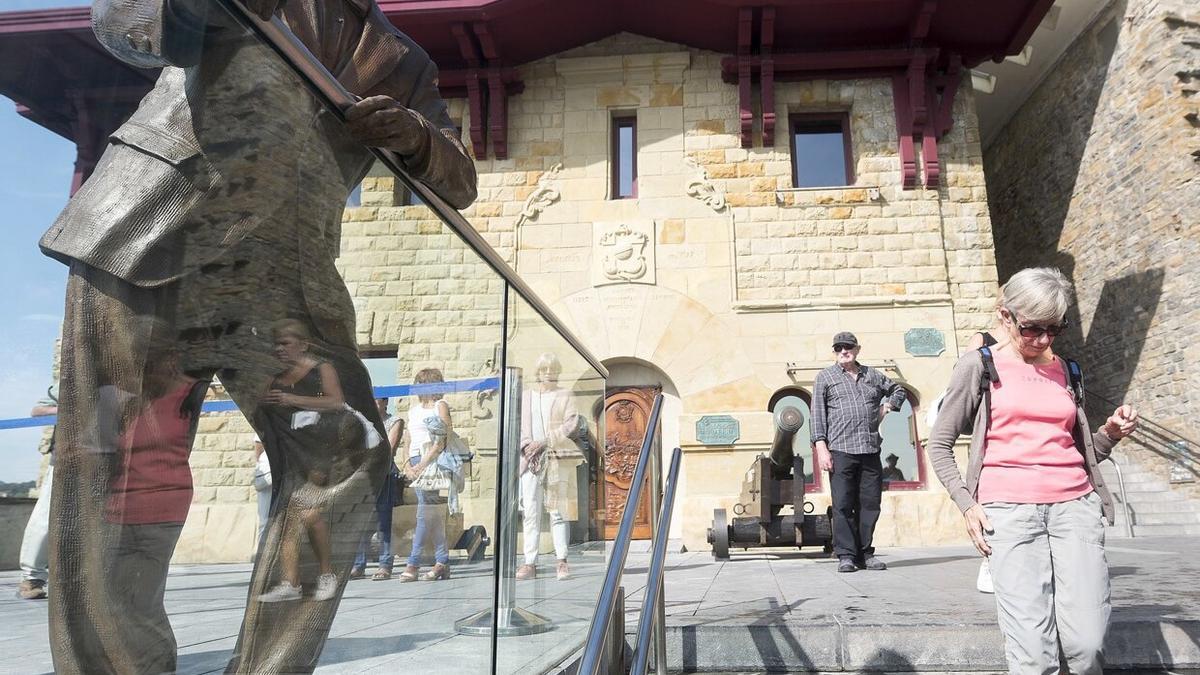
990, 375
1075, 377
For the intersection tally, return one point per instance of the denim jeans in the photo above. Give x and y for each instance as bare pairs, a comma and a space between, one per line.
383, 508
431, 522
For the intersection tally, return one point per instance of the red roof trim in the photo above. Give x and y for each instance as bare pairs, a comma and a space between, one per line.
46, 20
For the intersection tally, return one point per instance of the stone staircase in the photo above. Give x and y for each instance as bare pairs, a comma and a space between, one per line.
1157, 510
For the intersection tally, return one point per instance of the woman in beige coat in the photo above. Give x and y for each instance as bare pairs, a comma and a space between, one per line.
549, 459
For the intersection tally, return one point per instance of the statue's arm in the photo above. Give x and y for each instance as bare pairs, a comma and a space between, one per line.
439, 160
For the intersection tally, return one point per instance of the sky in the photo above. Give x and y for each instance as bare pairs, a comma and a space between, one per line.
35, 179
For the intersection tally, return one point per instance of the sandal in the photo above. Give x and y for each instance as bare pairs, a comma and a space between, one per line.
357, 573
438, 572
382, 574
409, 574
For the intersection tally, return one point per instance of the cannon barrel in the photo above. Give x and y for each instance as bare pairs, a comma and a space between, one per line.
788, 421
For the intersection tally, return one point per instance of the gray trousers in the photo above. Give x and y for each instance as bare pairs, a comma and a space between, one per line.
1051, 581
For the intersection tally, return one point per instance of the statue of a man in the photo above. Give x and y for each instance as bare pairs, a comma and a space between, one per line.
203, 245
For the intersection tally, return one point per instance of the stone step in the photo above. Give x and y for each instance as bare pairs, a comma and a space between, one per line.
1140, 518
1169, 530
803, 646
1170, 506
1144, 497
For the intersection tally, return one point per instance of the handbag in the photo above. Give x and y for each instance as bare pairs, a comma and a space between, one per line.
396, 485
432, 479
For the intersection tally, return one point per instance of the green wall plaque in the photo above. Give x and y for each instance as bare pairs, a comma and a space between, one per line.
924, 342
718, 430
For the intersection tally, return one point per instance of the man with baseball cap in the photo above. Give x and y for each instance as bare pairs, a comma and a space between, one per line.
849, 402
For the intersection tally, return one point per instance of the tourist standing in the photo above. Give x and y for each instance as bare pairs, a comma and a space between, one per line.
850, 401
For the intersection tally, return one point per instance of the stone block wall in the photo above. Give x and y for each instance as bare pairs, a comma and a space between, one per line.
1099, 174
745, 274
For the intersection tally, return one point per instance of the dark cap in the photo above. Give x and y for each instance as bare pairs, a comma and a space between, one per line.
845, 338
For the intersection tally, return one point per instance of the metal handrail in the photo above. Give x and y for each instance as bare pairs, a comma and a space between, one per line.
589, 663
654, 578
337, 98
1124, 499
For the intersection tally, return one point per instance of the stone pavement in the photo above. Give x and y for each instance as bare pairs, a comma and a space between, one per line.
771, 609
781, 609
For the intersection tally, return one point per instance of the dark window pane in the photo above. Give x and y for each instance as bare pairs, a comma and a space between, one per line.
819, 155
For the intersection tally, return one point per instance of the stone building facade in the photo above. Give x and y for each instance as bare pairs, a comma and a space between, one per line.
1098, 173
745, 277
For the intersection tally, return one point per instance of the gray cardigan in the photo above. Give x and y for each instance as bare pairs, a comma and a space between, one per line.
961, 412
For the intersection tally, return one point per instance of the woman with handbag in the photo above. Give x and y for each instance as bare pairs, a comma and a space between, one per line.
307, 385
428, 426
549, 458
1033, 497
389, 498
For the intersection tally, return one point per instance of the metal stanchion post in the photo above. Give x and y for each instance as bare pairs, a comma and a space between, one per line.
509, 619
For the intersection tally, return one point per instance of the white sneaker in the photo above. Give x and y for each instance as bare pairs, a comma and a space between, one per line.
326, 587
284, 592
983, 582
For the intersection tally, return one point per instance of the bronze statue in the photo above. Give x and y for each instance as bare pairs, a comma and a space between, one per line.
212, 217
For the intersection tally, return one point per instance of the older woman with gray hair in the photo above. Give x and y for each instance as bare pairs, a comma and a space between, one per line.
1033, 495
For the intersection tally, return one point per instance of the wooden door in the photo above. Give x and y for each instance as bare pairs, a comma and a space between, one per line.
626, 415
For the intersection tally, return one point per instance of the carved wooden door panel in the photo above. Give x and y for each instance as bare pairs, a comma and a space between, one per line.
626, 414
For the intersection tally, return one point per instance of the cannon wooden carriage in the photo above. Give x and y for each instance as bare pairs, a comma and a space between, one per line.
774, 481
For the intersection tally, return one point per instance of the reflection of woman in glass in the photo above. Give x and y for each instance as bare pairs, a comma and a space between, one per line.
307, 385
149, 496
549, 458
428, 427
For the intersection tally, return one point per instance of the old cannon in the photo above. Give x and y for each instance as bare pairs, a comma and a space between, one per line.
773, 482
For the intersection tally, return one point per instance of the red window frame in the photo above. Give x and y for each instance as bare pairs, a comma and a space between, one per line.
621, 122
797, 121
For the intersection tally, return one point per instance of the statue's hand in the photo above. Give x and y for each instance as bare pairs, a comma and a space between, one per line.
263, 9
380, 121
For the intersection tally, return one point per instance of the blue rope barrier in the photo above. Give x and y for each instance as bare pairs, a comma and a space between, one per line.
382, 391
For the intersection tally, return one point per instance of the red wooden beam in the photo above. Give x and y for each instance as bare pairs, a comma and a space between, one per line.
745, 107
767, 76
851, 63
918, 29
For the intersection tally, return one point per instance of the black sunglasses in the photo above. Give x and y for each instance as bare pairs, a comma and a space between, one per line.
842, 346
1035, 331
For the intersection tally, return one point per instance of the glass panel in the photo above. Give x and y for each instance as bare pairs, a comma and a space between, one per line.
239, 318
801, 442
819, 155
558, 551
899, 452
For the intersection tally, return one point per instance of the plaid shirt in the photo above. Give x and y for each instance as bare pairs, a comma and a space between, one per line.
845, 411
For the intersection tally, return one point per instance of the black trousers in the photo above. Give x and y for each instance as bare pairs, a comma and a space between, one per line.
856, 484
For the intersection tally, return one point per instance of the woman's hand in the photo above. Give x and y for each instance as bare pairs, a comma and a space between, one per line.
977, 525
277, 397
412, 471
1123, 422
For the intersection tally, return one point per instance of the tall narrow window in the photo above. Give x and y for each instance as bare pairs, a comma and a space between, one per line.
624, 157
821, 155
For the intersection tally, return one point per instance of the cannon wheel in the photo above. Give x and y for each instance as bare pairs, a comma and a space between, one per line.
720, 541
